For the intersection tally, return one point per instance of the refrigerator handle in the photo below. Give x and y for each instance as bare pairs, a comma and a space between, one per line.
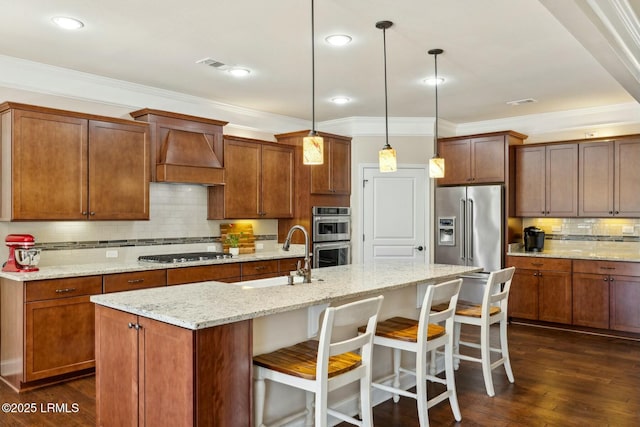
463, 225
470, 230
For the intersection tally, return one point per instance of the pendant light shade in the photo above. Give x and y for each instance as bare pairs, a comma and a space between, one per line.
387, 156
436, 163
313, 145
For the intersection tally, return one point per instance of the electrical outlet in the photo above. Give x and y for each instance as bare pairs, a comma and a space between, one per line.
556, 228
627, 229
259, 246
112, 253
211, 248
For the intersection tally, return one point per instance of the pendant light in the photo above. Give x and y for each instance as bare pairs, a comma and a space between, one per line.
436, 163
387, 156
313, 144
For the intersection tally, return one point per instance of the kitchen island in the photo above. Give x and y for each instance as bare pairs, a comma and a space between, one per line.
183, 356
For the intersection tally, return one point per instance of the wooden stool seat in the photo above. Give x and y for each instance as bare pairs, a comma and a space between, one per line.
401, 328
301, 360
468, 308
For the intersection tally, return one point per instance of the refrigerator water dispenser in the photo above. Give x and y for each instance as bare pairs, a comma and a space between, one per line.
446, 231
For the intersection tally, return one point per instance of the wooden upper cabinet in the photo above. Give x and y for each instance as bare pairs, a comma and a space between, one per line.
627, 178
119, 171
546, 180
596, 179
334, 175
60, 165
476, 160
258, 181
609, 177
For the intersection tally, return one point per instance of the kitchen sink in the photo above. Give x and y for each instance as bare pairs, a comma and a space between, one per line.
272, 281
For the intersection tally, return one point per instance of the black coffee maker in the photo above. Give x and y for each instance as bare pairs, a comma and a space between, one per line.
533, 239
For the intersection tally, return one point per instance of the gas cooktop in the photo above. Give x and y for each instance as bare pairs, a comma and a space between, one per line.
183, 257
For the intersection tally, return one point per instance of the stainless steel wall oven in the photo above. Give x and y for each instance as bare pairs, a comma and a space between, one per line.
331, 236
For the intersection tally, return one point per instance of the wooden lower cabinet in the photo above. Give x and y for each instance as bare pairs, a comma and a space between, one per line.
221, 272
625, 303
152, 373
46, 330
591, 300
541, 289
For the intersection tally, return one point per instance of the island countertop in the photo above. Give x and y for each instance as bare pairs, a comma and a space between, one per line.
206, 304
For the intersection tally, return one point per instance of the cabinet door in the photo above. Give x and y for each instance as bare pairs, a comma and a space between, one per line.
591, 300
277, 182
596, 179
562, 180
554, 296
116, 368
242, 162
166, 379
341, 167
523, 295
487, 159
457, 161
625, 300
59, 337
119, 171
530, 181
627, 196
49, 166
334, 175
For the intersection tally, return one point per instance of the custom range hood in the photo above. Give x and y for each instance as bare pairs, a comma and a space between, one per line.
184, 149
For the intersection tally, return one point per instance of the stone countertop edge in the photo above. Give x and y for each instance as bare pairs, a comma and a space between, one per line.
579, 254
207, 304
78, 270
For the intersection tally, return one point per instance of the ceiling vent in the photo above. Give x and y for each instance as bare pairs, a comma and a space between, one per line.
213, 63
522, 101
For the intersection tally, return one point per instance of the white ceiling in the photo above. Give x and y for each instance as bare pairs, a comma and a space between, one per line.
567, 54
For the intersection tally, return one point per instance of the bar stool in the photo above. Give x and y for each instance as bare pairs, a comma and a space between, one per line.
492, 310
422, 337
319, 367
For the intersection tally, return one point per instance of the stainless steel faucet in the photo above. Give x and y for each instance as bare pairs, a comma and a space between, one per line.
306, 270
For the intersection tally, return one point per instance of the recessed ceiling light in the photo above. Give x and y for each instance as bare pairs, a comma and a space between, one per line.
432, 81
340, 100
67, 23
239, 72
338, 39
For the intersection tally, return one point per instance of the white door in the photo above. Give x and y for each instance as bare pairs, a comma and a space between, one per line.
394, 214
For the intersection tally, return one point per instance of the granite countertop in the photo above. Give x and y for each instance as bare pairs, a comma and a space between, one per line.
603, 255
77, 270
207, 304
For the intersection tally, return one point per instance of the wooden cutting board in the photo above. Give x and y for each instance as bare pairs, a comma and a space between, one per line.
247, 241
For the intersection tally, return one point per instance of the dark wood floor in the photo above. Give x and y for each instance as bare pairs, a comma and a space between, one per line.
562, 379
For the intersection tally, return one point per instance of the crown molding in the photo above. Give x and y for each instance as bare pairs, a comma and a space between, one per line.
375, 126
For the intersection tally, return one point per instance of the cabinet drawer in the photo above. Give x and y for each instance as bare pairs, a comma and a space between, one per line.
131, 281
61, 288
289, 264
203, 273
607, 267
539, 263
262, 268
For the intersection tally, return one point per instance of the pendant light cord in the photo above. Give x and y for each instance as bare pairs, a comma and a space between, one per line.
313, 73
435, 57
386, 109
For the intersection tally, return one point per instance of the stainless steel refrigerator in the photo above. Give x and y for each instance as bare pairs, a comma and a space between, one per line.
469, 231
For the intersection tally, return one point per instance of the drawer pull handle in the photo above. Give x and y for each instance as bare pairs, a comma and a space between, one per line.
65, 290
607, 268
537, 264
260, 267
134, 281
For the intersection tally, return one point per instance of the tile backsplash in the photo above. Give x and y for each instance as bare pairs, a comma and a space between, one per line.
585, 228
177, 211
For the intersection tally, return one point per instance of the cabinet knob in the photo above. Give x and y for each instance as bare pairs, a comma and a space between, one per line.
535, 274
611, 279
84, 213
542, 212
617, 212
92, 213
606, 278
610, 212
130, 325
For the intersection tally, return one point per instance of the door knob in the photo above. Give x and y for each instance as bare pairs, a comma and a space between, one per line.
419, 248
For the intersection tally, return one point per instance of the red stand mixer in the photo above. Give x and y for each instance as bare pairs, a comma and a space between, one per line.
23, 257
